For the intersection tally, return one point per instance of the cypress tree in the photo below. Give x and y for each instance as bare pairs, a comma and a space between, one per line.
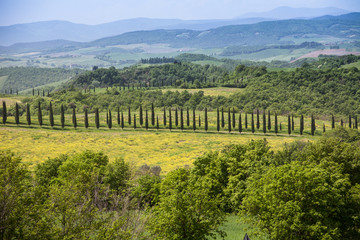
206, 120
118, 115
176, 118
229, 121
141, 115
269, 121
342, 123
350, 121
240, 124
4, 113
110, 120
170, 123
324, 127
332, 121
246, 121
276, 124
252, 123
257, 119
129, 116
301, 124
289, 124
222, 118
194, 120
218, 120
40, 114
97, 118
86, 118
74, 117
62, 116
312, 125
33, 92
51, 115
181, 119
199, 121
187, 117
122, 120
233, 119
157, 122
17, 113
356, 122
152, 115
134, 121
43, 93
146, 120
164, 117
292, 122
28, 114
264, 122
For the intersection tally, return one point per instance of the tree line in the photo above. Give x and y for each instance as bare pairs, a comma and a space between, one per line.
179, 119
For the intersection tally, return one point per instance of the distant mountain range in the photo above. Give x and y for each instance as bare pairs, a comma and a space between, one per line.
264, 33
55, 30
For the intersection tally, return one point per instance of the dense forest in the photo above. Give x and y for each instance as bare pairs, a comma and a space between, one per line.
307, 190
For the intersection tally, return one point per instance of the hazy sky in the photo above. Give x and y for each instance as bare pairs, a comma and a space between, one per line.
102, 11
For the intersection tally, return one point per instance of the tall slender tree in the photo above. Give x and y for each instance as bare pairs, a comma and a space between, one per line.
51, 115
152, 115
97, 118
206, 120
301, 124
240, 123
229, 121
341, 122
356, 122
62, 116
194, 120
292, 122
289, 124
199, 121
269, 121
222, 118
332, 121
164, 117
350, 125
141, 115
110, 120
17, 118
252, 122
40, 114
324, 129
74, 117
246, 120
233, 119
187, 117
129, 116
170, 120
28, 114
176, 118
257, 119
86, 120
312, 125
122, 120
181, 119
218, 120
4, 113
146, 120
157, 122
118, 116
276, 124
264, 121
134, 121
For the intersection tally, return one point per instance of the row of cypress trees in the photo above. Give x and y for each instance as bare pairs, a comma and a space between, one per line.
167, 119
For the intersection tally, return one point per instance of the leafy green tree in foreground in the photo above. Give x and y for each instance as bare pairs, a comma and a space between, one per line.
185, 209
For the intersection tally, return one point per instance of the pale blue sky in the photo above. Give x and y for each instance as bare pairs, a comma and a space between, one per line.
102, 11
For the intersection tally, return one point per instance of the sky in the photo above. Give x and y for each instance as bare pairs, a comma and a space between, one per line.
103, 11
